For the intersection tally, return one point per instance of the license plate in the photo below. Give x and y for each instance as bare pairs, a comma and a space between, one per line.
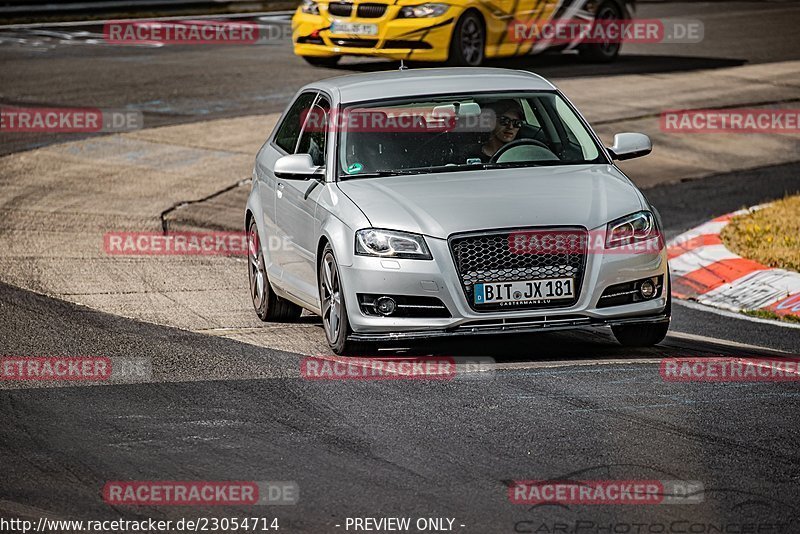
354, 28
524, 291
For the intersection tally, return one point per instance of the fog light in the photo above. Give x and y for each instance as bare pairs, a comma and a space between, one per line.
647, 289
385, 305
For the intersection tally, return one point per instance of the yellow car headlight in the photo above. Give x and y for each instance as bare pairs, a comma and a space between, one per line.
422, 11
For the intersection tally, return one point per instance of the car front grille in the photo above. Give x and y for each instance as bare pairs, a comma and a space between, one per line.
488, 257
340, 9
370, 11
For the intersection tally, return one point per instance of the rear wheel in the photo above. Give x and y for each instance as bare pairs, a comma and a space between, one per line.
268, 305
468, 43
316, 61
608, 50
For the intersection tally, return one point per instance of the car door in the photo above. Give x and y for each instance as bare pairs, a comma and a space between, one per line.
284, 142
295, 207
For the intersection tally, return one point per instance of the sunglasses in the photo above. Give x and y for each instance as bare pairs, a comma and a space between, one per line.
508, 121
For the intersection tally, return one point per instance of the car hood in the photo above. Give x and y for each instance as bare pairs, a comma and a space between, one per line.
441, 204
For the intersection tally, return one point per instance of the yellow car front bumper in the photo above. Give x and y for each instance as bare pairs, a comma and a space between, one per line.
419, 39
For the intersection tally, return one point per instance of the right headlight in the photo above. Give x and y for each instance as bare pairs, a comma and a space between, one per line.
391, 244
633, 228
423, 11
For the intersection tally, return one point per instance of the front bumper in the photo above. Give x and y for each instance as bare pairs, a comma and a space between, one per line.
421, 39
439, 278
502, 326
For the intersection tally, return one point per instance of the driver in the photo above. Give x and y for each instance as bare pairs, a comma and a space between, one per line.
509, 118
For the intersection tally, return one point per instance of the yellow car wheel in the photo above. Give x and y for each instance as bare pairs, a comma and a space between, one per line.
468, 43
607, 51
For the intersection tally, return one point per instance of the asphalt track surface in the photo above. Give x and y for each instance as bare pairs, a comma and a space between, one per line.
557, 406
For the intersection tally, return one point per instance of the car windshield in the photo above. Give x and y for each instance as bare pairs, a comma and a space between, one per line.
461, 132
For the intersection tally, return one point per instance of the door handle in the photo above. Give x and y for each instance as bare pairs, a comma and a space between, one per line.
279, 192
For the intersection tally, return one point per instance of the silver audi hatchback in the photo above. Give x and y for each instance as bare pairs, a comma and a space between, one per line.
426, 203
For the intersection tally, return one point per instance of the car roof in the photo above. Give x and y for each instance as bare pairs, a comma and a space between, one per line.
409, 82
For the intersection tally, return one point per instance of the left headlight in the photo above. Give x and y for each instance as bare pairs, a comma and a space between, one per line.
310, 7
639, 226
423, 10
391, 244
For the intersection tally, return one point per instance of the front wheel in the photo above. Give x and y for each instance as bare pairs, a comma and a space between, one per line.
333, 306
468, 44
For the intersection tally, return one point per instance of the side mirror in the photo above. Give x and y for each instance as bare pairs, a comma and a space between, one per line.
297, 166
630, 145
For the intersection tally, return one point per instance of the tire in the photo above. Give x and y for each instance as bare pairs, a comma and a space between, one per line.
603, 52
268, 305
316, 61
645, 334
334, 307
468, 43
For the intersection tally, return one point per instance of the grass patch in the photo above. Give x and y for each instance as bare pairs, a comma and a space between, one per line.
767, 314
770, 236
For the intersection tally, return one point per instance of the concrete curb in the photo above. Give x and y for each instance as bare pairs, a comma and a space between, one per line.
704, 270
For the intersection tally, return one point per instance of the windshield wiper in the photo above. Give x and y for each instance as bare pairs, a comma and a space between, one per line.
517, 164
384, 172
463, 167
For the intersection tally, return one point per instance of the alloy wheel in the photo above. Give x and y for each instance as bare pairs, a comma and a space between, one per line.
331, 298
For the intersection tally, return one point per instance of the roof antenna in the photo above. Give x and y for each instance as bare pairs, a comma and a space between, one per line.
403, 65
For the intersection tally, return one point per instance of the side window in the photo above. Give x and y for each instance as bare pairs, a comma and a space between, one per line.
289, 130
530, 114
575, 131
312, 140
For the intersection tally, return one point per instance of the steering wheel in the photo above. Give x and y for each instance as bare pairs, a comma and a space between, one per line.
513, 144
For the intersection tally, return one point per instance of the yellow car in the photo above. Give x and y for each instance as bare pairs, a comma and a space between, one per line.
458, 32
